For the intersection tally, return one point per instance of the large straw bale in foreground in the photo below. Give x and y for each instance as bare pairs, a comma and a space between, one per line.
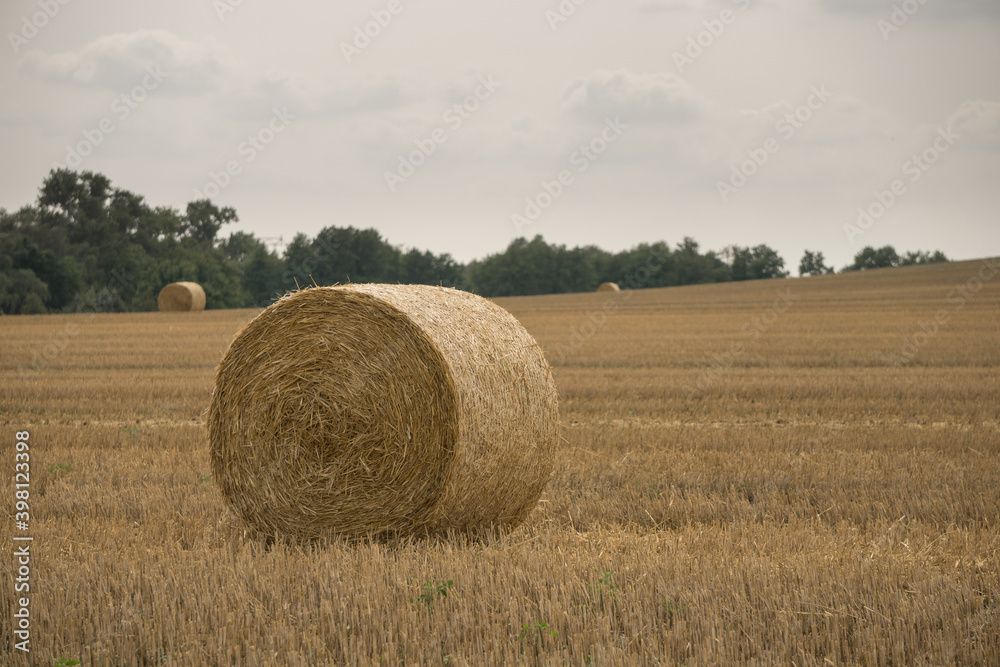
382, 409
181, 297
609, 287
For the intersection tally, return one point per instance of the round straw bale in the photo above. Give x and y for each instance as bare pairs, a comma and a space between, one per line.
181, 297
367, 410
608, 287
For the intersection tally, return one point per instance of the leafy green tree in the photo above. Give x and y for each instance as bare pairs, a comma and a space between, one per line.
25, 245
33, 305
755, 263
262, 273
240, 246
922, 257
61, 275
79, 203
91, 229
690, 265
301, 259
341, 255
812, 264
156, 229
21, 291
87, 245
523, 268
220, 279
204, 219
578, 269
261, 270
647, 265
872, 258
595, 263
426, 268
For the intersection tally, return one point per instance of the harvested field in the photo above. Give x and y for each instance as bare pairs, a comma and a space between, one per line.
799, 471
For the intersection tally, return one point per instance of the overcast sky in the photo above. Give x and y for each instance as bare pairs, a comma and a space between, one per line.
817, 104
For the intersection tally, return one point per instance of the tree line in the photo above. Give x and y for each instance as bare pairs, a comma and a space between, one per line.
85, 244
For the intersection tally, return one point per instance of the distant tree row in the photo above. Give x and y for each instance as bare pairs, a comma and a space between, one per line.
86, 245
812, 263
886, 256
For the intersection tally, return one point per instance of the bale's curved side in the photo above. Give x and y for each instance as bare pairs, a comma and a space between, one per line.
181, 297
608, 287
367, 409
508, 404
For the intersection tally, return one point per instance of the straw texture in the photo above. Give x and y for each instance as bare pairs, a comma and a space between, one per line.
608, 287
363, 410
181, 297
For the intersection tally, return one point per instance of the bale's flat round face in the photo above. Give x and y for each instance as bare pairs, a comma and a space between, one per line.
333, 412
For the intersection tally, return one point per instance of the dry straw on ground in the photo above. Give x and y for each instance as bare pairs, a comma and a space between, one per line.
608, 287
181, 297
382, 410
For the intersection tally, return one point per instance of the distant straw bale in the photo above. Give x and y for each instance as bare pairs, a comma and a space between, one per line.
181, 297
608, 287
382, 410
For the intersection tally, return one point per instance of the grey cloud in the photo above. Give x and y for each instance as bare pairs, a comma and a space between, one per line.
120, 60
956, 9
321, 98
369, 96
653, 6
653, 97
978, 121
